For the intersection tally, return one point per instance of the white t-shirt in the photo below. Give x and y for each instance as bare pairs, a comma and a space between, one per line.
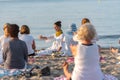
87, 63
3, 40
28, 39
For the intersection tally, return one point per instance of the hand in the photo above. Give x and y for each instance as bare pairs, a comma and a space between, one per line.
40, 37
73, 49
74, 33
65, 65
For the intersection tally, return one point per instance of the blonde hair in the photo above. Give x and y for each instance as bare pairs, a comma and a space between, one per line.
6, 25
86, 32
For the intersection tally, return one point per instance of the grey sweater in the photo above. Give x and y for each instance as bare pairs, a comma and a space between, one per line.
15, 54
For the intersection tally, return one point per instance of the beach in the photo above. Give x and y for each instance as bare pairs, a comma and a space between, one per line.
108, 65
40, 15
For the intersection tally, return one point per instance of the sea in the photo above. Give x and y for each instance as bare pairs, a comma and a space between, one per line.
40, 16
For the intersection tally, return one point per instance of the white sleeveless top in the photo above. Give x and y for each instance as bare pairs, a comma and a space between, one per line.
28, 39
87, 63
3, 40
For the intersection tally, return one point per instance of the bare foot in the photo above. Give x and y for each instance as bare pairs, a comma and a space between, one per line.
114, 50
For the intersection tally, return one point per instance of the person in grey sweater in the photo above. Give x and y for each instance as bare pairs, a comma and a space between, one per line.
15, 54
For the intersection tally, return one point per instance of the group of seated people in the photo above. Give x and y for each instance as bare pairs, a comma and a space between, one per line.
15, 49
81, 44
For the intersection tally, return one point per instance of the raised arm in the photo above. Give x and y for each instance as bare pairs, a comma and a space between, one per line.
73, 49
46, 38
42, 37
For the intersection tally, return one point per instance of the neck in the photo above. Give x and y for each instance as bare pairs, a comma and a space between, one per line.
14, 37
86, 42
6, 35
58, 30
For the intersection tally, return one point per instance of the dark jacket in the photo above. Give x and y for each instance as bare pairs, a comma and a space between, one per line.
15, 54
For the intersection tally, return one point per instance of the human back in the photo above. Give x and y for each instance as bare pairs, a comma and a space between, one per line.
16, 54
87, 63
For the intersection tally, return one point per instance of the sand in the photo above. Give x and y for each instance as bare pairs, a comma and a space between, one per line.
108, 65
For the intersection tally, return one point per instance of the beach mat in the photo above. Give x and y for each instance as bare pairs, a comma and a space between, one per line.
42, 71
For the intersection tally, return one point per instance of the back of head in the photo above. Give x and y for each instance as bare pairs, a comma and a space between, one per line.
6, 25
86, 32
24, 29
85, 20
58, 23
14, 30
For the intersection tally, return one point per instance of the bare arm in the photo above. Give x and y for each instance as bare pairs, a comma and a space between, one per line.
66, 72
73, 49
46, 38
59, 49
43, 37
33, 45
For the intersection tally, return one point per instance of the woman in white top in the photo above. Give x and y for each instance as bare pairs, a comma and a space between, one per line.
69, 38
86, 55
28, 39
4, 39
58, 41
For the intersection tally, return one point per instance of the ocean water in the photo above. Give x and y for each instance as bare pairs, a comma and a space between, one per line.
40, 15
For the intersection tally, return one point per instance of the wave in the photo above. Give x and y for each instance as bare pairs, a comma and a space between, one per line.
109, 36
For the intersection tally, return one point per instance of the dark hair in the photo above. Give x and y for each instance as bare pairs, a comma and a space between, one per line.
14, 30
58, 23
85, 20
24, 29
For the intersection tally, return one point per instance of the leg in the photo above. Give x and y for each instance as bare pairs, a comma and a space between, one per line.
66, 72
